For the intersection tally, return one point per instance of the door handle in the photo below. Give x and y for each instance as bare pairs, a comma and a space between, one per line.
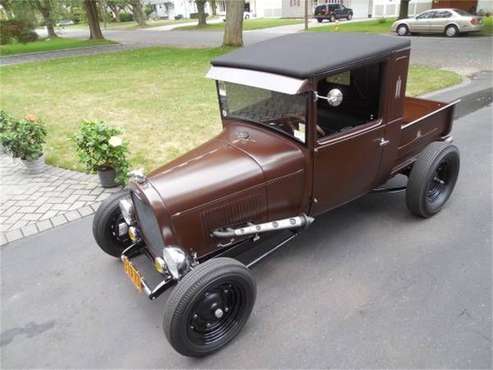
382, 141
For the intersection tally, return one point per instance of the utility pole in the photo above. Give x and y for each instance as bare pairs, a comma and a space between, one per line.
306, 15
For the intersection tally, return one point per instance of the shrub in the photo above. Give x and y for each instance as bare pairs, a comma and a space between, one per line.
24, 138
5, 127
28, 36
382, 20
100, 147
125, 17
12, 29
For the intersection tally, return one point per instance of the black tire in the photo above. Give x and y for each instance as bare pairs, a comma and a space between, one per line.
451, 31
190, 321
105, 225
332, 18
432, 179
349, 17
402, 30
319, 20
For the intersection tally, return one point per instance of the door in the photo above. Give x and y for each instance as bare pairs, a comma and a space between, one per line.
422, 22
439, 21
346, 165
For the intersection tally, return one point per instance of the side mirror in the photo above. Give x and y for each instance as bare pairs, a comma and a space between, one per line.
334, 97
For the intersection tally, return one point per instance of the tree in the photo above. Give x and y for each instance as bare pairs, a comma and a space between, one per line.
116, 7
46, 9
6, 9
213, 5
91, 7
306, 15
404, 9
138, 12
233, 29
201, 12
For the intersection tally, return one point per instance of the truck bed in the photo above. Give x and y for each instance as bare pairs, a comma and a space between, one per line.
424, 121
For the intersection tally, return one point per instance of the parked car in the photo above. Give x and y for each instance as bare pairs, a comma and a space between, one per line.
300, 137
246, 15
450, 22
65, 22
332, 12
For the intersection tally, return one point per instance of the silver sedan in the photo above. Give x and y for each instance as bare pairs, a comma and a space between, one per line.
450, 22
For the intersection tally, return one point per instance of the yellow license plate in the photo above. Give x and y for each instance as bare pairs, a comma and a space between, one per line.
132, 273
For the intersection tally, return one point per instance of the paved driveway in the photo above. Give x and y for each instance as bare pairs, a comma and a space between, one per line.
368, 285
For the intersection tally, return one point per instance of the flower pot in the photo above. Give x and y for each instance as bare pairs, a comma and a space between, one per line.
34, 166
107, 177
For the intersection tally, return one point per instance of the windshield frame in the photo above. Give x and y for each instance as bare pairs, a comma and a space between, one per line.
308, 98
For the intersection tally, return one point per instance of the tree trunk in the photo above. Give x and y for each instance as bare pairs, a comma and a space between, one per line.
404, 9
213, 5
201, 12
138, 12
44, 7
306, 15
233, 29
93, 20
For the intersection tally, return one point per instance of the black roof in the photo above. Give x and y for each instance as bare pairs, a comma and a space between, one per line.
308, 54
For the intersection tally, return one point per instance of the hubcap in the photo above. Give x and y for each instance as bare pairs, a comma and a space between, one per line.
451, 31
438, 182
215, 313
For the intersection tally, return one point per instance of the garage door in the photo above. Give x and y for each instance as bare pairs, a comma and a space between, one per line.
360, 7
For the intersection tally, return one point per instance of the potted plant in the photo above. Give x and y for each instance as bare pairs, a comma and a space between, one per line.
24, 139
101, 149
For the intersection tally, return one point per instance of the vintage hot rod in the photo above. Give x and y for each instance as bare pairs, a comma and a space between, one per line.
305, 129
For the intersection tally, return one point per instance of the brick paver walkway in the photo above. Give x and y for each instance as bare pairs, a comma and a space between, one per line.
33, 203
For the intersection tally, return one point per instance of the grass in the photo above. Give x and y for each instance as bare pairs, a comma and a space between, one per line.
381, 25
131, 25
159, 96
49, 45
248, 24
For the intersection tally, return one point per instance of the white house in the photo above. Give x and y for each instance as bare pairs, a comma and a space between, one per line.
171, 8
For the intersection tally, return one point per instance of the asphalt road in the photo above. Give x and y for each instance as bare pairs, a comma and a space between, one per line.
367, 286
465, 54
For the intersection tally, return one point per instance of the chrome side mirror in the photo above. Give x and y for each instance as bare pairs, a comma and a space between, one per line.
334, 97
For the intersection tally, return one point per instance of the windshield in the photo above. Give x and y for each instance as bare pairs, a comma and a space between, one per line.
282, 112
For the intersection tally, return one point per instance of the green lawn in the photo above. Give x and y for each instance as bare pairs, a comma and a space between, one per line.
159, 96
49, 45
124, 26
488, 26
248, 24
381, 25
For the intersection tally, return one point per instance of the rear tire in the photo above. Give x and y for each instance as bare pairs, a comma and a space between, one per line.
105, 225
451, 31
319, 20
432, 179
209, 307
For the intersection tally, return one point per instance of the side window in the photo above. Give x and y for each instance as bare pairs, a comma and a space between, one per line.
442, 14
360, 89
425, 15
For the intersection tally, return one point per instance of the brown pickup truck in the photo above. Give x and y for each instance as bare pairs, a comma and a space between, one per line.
305, 129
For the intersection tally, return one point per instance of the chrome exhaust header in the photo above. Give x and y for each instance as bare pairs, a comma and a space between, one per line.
286, 223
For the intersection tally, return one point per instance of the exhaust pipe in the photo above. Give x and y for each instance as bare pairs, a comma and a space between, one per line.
286, 223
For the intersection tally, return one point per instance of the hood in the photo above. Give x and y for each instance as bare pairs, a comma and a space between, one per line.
241, 157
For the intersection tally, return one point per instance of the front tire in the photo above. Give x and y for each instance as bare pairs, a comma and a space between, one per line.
332, 18
432, 179
209, 307
402, 30
105, 225
319, 20
349, 17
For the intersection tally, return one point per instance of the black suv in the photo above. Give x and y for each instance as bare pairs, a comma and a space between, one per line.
332, 12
